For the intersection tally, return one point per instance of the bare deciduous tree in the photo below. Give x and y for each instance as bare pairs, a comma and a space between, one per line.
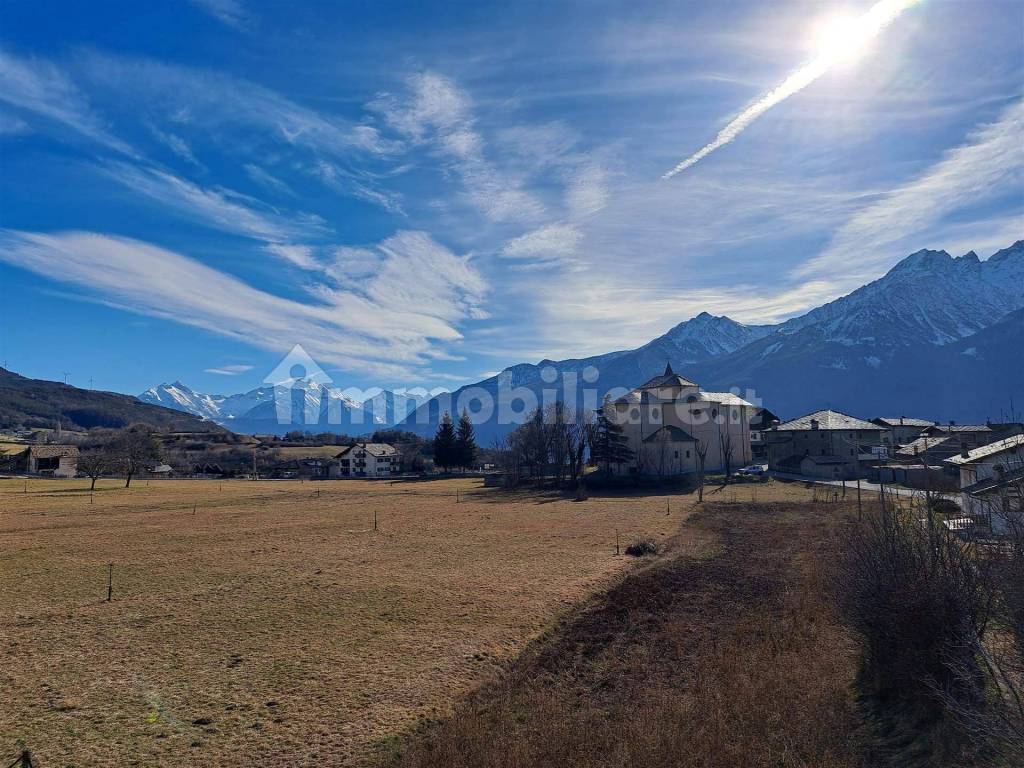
701, 451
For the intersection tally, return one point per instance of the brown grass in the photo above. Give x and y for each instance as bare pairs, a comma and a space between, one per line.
725, 656
279, 616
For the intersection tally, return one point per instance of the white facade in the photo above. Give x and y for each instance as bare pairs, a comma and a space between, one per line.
990, 476
669, 417
366, 460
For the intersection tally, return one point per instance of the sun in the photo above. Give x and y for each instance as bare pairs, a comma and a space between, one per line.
840, 38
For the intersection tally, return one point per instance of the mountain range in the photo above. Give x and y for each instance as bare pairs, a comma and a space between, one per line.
937, 337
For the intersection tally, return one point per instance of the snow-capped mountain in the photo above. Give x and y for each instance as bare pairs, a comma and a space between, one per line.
901, 343
257, 410
929, 296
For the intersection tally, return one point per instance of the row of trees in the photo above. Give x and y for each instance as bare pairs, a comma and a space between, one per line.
455, 446
126, 452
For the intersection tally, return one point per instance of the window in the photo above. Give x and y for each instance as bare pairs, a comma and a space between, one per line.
714, 413
687, 454
677, 454
634, 414
655, 413
691, 399
853, 452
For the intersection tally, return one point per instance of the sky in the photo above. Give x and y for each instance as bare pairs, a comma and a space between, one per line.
421, 194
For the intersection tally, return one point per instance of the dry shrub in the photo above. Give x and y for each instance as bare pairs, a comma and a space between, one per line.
642, 547
920, 600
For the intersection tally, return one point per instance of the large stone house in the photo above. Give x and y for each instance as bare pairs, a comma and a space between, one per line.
825, 444
365, 460
668, 419
900, 430
992, 479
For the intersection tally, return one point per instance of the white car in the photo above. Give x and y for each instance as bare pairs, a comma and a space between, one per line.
754, 470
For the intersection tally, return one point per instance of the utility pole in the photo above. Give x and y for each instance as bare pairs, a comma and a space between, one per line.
255, 475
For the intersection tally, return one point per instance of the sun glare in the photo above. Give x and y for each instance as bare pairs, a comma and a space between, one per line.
841, 38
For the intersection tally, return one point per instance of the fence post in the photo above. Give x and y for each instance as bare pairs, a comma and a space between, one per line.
110, 582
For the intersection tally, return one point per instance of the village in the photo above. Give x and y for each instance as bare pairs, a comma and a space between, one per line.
666, 431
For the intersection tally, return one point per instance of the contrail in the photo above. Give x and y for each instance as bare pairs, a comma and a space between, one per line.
877, 18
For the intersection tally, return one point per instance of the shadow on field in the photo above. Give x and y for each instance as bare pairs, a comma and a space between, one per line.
727, 651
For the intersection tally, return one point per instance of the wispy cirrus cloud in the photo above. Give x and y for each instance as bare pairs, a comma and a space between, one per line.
220, 208
989, 164
388, 326
229, 370
43, 89
436, 112
229, 12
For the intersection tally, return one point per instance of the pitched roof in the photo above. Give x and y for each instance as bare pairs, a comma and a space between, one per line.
374, 449
959, 428
1013, 444
721, 398
52, 451
827, 419
947, 444
675, 435
903, 421
668, 379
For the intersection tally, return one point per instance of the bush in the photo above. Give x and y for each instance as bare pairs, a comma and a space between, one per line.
642, 547
920, 603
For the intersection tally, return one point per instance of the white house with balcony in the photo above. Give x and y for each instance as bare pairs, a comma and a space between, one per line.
667, 419
992, 480
365, 460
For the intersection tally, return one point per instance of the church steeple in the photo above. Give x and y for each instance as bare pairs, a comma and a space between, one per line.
668, 369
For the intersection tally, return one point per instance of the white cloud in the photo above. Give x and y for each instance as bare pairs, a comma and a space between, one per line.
41, 88
386, 326
552, 243
230, 12
177, 145
229, 370
439, 113
221, 208
989, 164
266, 180
301, 256
206, 100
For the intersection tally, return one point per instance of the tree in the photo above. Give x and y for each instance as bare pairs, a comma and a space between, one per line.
611, 446
701, 449
95, 460
725, 439
133, 449
465, 441
444, 443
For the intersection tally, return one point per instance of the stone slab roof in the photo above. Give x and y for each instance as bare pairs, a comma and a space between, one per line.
827, 419
1013, 445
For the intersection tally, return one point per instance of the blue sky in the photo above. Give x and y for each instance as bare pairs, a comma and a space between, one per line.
421, 194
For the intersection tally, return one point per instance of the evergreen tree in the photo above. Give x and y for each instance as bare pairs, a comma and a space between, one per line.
465, 441
611, 446
444, 444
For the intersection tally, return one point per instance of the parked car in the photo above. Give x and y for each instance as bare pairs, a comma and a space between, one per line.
754, 470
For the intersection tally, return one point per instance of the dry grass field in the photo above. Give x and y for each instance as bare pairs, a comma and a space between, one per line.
272, 625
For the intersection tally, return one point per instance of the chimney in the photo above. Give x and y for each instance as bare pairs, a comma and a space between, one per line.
814, 423
901, 421
964, 452
952, 423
